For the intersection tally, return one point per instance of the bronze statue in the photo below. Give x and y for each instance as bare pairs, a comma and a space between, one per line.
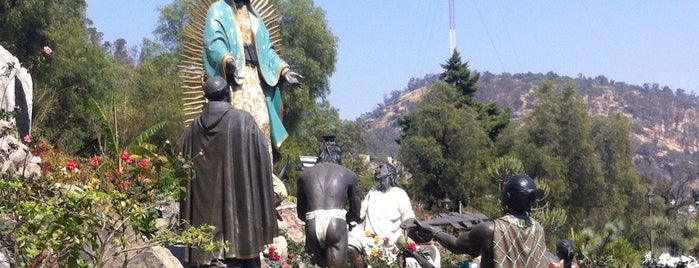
513, 240
322, 191
232, 189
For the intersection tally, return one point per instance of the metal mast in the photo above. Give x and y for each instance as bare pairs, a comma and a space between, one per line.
452, 28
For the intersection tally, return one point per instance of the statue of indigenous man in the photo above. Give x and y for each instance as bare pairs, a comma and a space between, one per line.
322, 192
232, 190
512, 240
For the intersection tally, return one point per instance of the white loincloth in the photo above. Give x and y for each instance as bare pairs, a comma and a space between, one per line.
322, 218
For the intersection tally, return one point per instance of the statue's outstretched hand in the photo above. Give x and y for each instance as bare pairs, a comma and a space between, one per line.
423, 232
292, 77
231, 72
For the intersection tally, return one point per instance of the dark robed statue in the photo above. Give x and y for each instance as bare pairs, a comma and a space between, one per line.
322, 191
232, 189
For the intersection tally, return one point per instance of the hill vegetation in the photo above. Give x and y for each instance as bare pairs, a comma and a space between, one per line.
665, 126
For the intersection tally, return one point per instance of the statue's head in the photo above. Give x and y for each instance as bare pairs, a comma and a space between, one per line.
519, 193
330, 154
386, 171
564, 250
216, 89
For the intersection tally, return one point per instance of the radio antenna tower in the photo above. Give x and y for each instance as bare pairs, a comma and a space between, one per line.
452, 28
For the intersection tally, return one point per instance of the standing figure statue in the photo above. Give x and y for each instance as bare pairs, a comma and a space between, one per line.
384, 208
237, 46
322, 191
232, 189
513, 240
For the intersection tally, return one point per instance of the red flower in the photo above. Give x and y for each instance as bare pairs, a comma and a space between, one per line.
124, 155
118, 172
125, 184
129, 161
107, 174
71, 165
411, 246
286, 265
95, 161
143, 163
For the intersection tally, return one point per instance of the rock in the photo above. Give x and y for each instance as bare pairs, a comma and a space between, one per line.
16, 89
290, 223
4, 261
15, 156
140, 254
156, 256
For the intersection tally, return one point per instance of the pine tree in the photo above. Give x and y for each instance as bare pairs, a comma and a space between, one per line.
458, 75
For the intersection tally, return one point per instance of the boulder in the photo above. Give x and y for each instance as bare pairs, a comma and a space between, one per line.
16, 90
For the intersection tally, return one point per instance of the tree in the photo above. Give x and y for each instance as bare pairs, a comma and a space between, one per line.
171, 24
77, 68
588, 162
311, 49
458, 75
445, 157
614, 147
490, 117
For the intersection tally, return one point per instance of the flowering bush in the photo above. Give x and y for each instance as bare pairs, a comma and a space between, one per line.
667, 261
78, 212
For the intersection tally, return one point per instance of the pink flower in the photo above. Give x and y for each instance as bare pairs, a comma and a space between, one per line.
95, 160
129, 161
286, 265
28, 138
107, 174
47, 50
143, 163
124, 155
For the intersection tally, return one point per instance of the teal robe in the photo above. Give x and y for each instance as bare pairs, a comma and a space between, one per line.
222, 41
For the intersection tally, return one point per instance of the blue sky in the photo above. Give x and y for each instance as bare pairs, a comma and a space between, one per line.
382, 44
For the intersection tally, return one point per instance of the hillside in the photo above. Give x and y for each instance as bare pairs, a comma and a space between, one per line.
665, 122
